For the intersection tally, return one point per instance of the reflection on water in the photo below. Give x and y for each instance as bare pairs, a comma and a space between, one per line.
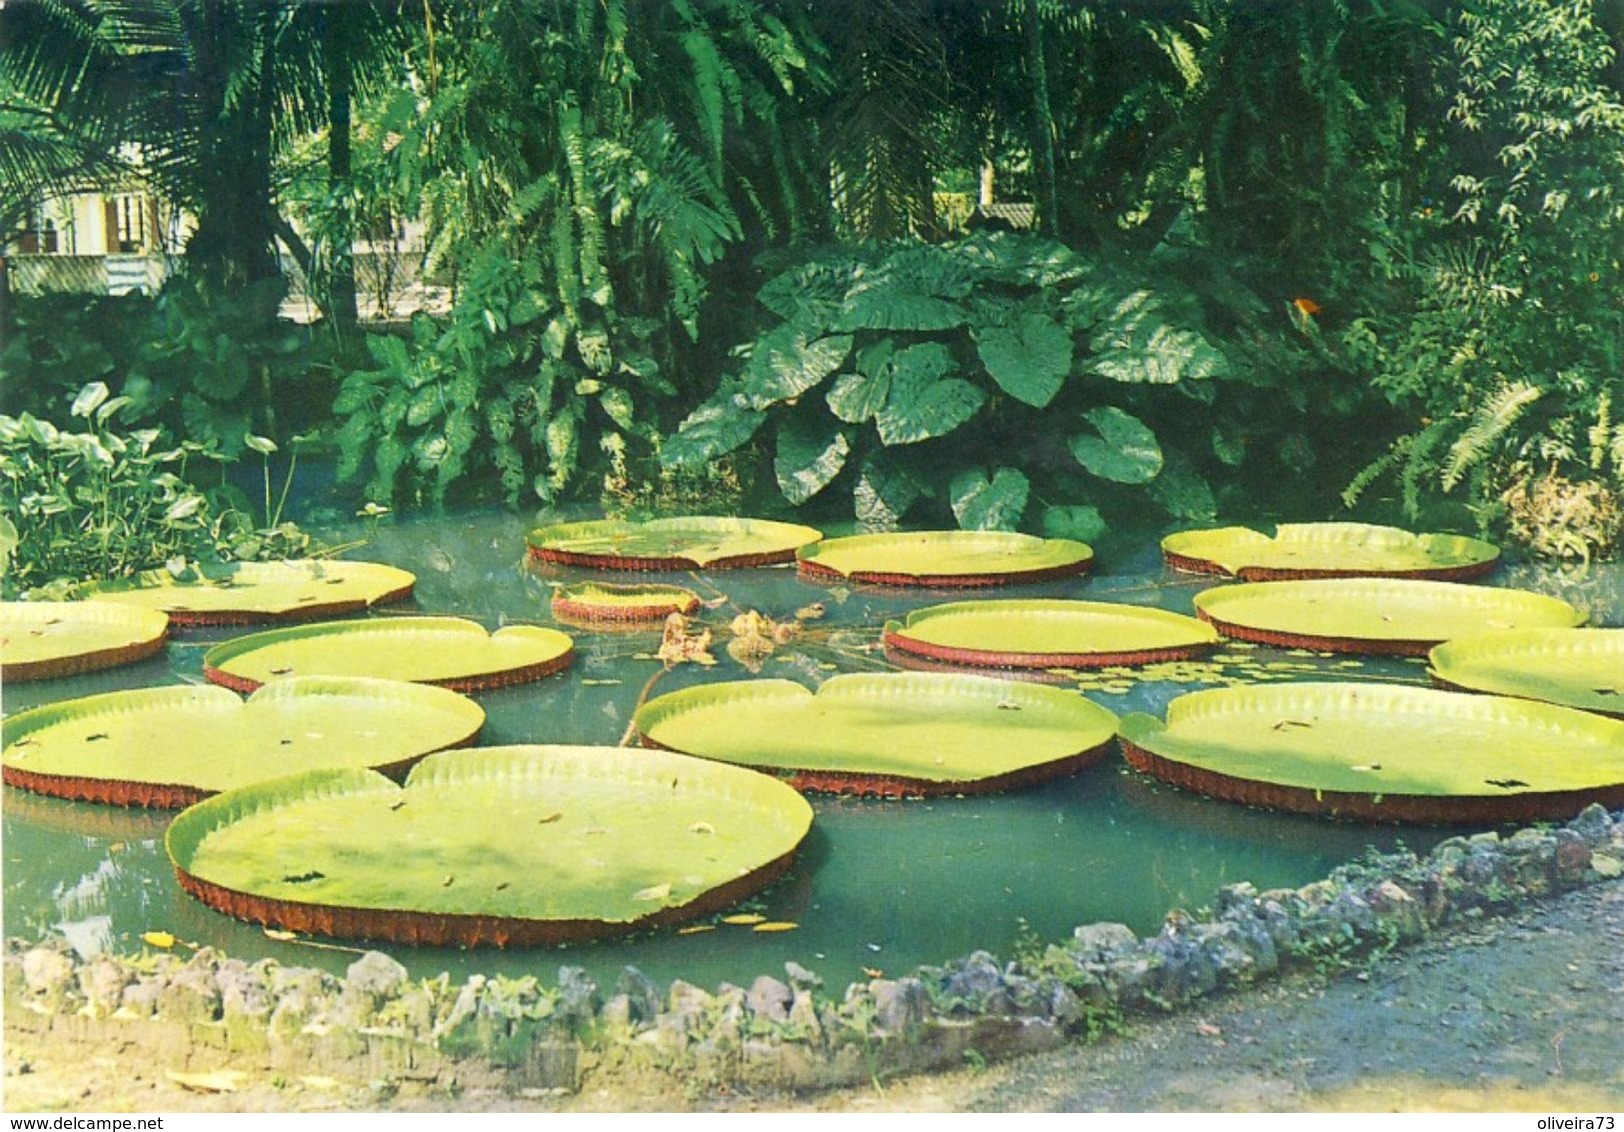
880, 885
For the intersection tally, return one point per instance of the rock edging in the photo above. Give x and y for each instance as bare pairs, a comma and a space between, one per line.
378, 1024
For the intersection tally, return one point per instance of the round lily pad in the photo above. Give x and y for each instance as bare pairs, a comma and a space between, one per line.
492, 846
241, 593
1329, 550
448, 651
1580, 668
41, 640
1383, 752
685, 543
890, 734
944, 559
173, 746
1048, 634
599, 603
1394, 616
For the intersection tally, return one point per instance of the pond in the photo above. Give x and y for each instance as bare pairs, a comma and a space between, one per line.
880, 885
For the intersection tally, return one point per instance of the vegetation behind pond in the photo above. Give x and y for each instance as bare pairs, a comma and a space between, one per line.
1283, 257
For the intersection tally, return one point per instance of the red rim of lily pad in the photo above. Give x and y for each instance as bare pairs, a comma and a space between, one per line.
1077, 559
94, 660
303, 611
858, 784
543, 548
1465, 571
452, 929
1410, 808
573, 605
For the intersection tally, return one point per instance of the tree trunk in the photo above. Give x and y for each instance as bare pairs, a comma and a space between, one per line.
1042, 123
338, 58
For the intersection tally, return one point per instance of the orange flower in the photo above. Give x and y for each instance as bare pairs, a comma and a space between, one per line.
1307, 307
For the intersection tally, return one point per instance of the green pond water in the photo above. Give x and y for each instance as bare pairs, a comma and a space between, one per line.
884, 885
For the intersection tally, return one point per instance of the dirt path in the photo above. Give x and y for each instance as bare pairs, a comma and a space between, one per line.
1524, 1013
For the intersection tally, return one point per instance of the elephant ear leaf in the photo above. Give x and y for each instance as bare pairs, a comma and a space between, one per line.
1124, 449
1029, 359
983, 505
922, 403
787, 362
718, 426
809, 456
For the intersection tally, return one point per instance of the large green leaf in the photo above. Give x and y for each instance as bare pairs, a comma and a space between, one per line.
681, 542
598, 603
714, 429
1125, 449
1400, 615
1183, 492
922, 403
945, 558
448, 651
168, 746
1048, 633
40, 640
1029, 359
857, 397
260, 591
924, 733
788, 361
1580, 668
810, 455
884, 492
1329, 550
1138, 342
502, 845
1077, 521
1381, 750
980, 505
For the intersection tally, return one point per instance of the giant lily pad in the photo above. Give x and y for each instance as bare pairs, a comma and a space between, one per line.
172, 746
1581, 668
239, 593
598, 603
1396, 616
448, 651
686, 543
1383, 752
945, 558
1329, 550
892, 734
40, 640
1048, 634
502, 845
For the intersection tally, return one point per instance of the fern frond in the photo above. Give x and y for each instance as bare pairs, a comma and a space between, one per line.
1488, 424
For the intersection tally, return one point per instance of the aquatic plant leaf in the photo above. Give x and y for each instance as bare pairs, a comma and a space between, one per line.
449, 651
1374, 748
945, 558
1048, 633
1579, 668
261, 591
1304, 550
169, 746
689, 542
921, 731
603, 602
1394, 615
40, 640
622, 855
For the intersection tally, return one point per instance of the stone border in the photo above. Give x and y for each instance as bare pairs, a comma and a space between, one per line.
377, 1023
